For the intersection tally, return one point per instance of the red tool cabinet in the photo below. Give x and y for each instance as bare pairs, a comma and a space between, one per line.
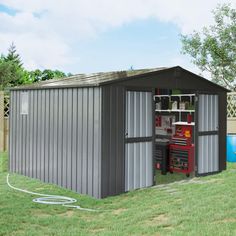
181, 159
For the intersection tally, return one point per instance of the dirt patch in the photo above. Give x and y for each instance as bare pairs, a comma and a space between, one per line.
227, 220
119, 211
162, 219
40, 213
96, 230
68, 214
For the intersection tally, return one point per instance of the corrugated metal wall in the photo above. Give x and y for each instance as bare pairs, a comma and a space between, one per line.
208, 154
208, 112
59, 141
138, 114
113, 153
138, 165
208, 128
138, 150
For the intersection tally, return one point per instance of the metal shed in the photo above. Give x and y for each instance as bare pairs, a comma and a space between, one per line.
95, 133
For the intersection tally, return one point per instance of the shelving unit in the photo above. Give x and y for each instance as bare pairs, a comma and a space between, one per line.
176, 110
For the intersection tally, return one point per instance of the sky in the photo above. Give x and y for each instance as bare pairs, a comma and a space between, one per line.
86, 36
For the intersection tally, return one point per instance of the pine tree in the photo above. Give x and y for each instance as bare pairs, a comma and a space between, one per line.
13, 56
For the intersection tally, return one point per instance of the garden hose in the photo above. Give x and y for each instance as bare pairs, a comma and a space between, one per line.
51, 199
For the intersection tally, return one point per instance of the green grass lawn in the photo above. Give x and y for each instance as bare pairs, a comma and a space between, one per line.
204, 206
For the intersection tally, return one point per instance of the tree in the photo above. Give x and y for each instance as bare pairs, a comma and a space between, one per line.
38, 75
13, 56
214, 49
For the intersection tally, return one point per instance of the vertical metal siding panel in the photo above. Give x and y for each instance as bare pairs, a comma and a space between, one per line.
20, 138
138, 166
55, 147
32, 135
149, 114
74, 138
35, 117
39, 133
23, 134
85, 142
64, 137
51, 136
27, 138
90, 144
112, 128
42, 132
131, 111
47, 134
131, 167
79, 170
60, 137
96, 137
200, 151
149, 164
69, 139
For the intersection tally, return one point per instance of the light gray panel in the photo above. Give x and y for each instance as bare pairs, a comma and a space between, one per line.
149, 115
69, 139
31, 143
51, 121
74, 124
208, 157
97, 143
85, 142
35, 125
80, 141
54, 120
47, 135
39, 134
138, 168
60, 137
208, 148
90, 144
65, 137
208, 113
59, 141
138, 114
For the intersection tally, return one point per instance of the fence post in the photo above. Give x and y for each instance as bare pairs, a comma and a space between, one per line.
1, 121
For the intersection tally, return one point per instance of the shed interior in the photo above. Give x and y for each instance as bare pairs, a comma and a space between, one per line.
174, 131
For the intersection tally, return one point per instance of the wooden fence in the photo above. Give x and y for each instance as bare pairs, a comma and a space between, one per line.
231, 113
4, 121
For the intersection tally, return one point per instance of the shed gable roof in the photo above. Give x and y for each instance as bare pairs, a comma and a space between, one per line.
103, 78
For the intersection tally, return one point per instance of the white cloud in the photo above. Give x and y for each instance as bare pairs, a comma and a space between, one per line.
44, 31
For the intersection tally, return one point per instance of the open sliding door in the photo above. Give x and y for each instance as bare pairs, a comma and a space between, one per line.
207, 134
139, 140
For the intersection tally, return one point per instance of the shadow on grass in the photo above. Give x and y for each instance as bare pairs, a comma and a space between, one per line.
169, 178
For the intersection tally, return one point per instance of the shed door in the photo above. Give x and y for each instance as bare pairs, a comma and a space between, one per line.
207, 135
139, 140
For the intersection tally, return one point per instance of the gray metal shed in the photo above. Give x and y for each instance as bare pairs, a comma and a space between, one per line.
94, 133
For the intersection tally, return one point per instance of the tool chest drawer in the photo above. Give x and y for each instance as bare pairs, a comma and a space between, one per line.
181, 158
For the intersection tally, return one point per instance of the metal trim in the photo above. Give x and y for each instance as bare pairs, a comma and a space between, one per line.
138, 140
205, 133
208, 173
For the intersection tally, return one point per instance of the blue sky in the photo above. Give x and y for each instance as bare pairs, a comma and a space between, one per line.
81, 36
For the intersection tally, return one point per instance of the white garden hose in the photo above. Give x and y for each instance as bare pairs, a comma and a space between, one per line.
51, 199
